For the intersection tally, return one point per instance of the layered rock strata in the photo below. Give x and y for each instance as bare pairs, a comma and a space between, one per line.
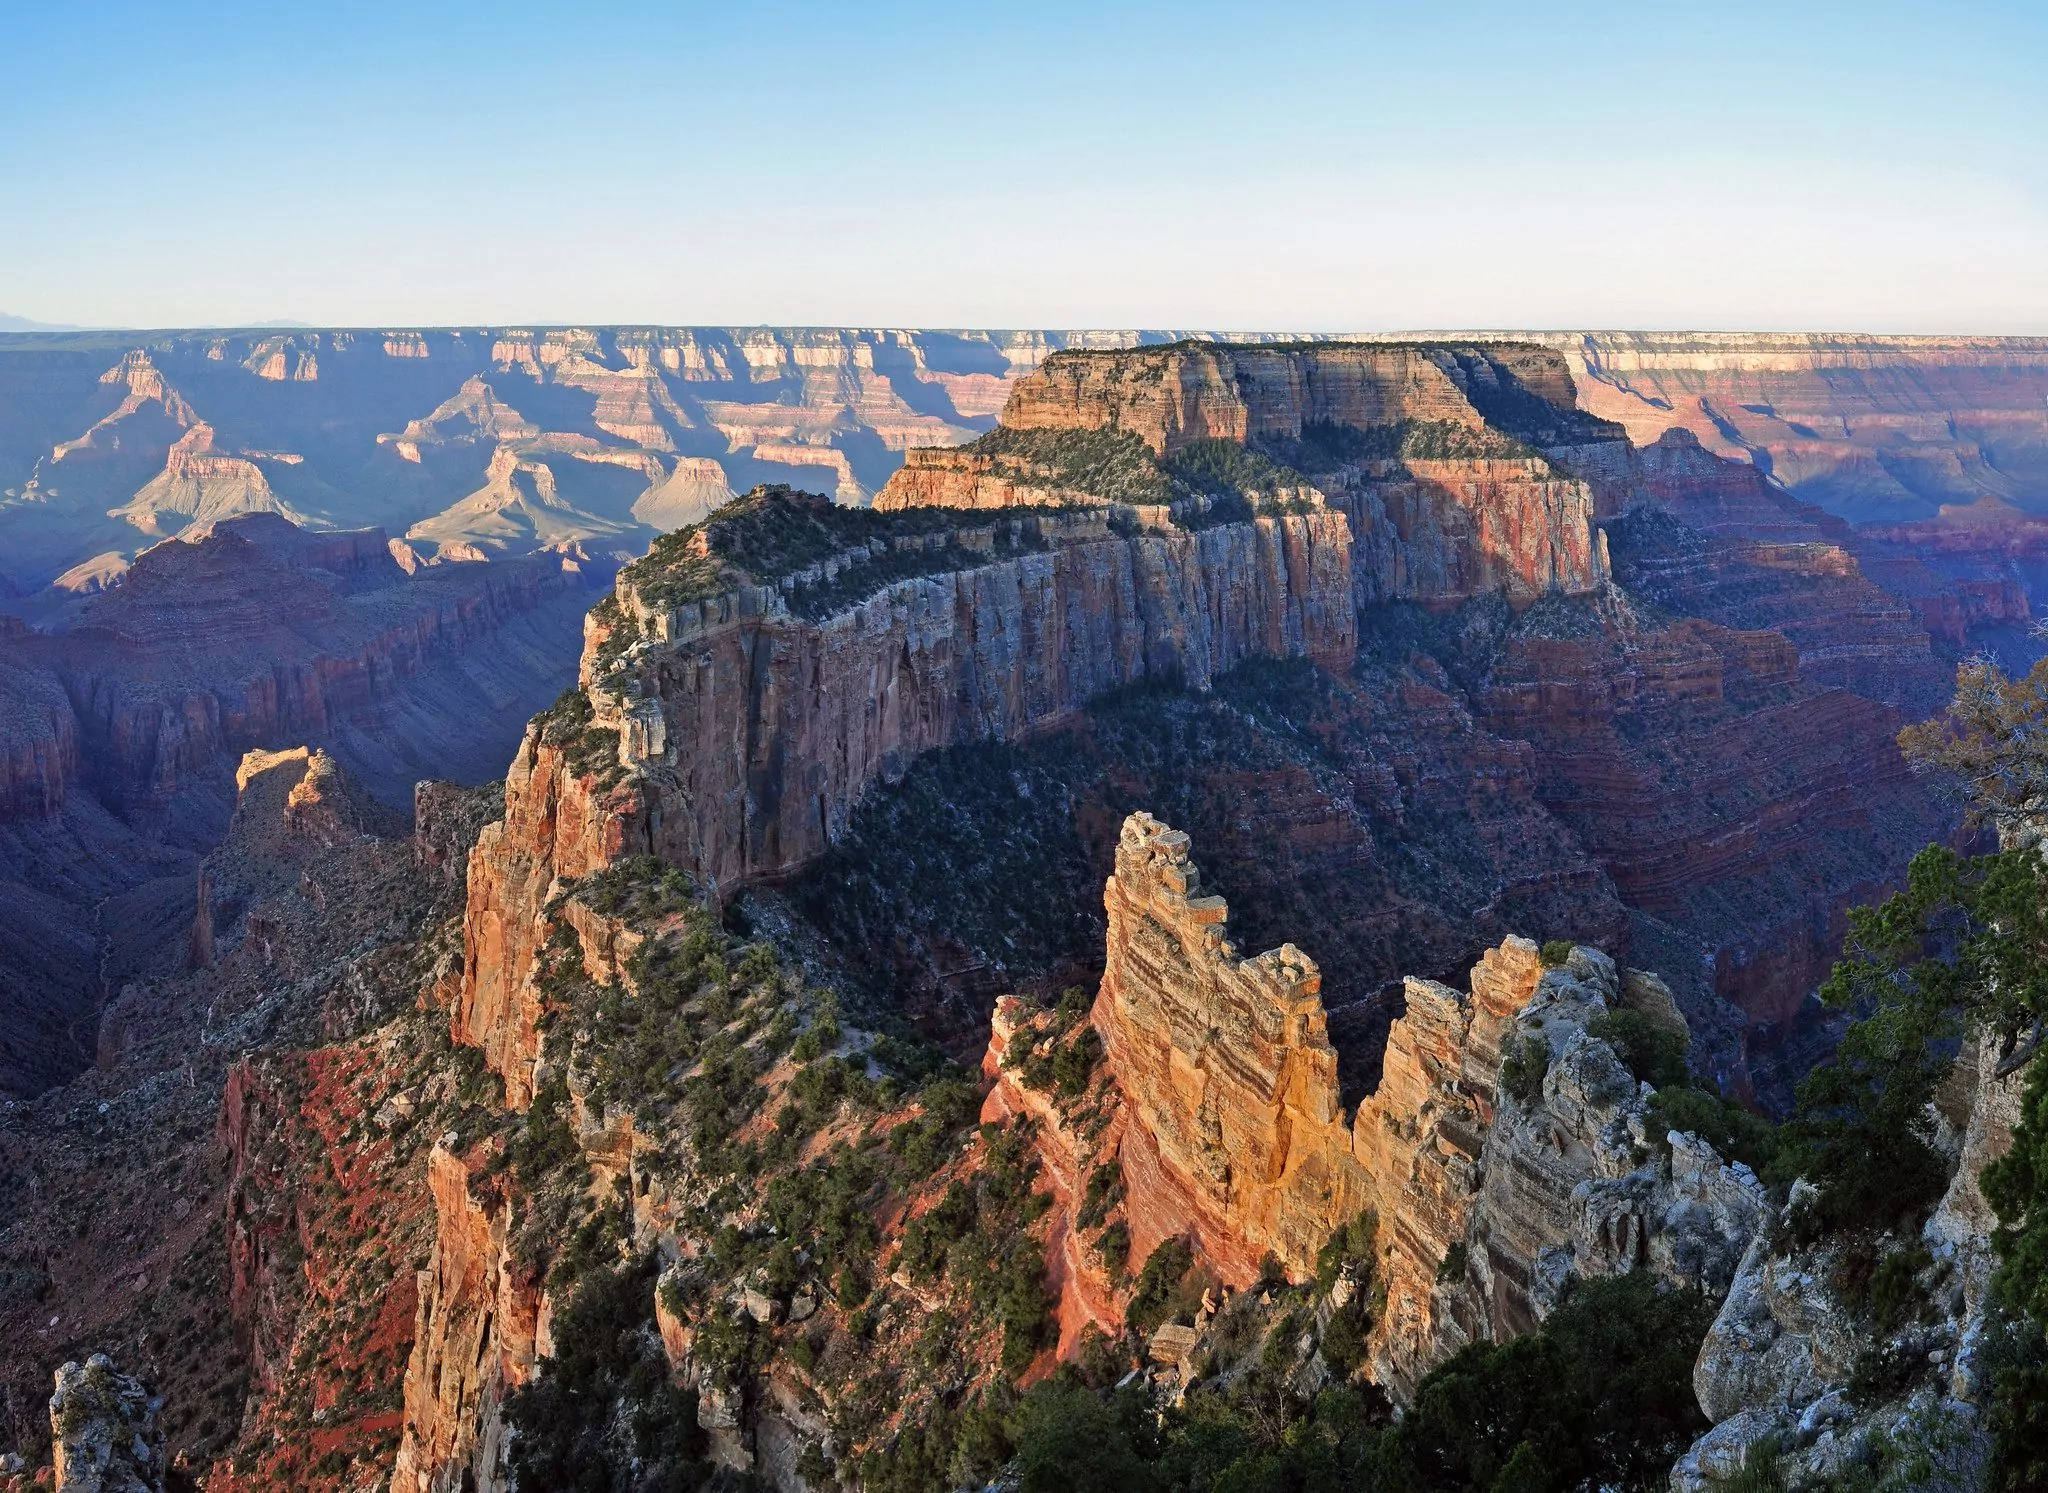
751, 732
1232, 1135
475, 1339
1486, 514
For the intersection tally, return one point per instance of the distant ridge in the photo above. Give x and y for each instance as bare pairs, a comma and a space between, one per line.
23, 324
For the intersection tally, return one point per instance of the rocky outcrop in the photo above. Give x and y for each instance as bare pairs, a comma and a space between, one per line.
1230, 1133
478, 1330
200, 485
1235, 1134
752, 731
103, 1426
559, 825
1775, 1370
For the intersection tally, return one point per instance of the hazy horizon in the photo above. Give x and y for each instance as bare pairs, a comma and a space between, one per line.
1873, 168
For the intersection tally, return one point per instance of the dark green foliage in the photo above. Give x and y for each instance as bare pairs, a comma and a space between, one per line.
1556, 953
1451, 1269
1344, 1341
1601, 1397
1017, 1293
1104, 1191
1069, 1440
950, 1449
546, 1140
2016, 1185
1115, 1248
2016, 1358
1112, 465
1154, 1297
923, 1143
827, 1208
601, 1415
1652, 1053
1731, 1130
774, 531
1523, 1066
928, 1237
1236, 482
1862, 1130
590, 750
1350, 1245
1324, 446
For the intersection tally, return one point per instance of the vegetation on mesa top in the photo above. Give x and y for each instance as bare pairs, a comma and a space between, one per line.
774, 532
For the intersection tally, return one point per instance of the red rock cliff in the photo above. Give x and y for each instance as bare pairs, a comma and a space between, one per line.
751, 733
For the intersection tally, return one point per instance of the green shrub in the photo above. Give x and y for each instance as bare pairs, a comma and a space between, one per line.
1601, 1396
1523, 1066
1733, 1132
1653, 1053
1556, 953
1114, 1247
1450, 1271
1152, 1298
1350, 1244
1104, 1191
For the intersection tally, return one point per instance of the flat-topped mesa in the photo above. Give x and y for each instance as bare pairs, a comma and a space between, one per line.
753, 677
1433, 452
1184, 392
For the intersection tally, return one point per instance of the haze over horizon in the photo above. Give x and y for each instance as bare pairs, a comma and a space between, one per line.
1870, 168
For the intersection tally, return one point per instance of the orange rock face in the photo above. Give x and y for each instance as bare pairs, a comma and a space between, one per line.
755, 732
1231, 1133
474, 1341
1235, 1135
558, 825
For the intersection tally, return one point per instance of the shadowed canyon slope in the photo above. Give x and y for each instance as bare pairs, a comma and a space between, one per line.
118, 732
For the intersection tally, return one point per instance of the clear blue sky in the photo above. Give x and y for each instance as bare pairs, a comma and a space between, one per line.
1295, 166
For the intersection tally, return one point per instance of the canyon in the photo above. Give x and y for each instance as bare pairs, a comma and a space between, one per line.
1422, 655
123, 721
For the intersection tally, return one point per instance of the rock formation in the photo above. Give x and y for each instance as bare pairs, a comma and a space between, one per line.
752, 729
1235, 1133
1776, 1368
474, 1340
1229, 1131
103, 1425
1470, 510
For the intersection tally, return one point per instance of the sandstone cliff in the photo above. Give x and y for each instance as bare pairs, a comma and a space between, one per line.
753, 720
473, 1342
1423, 447
1229, 1131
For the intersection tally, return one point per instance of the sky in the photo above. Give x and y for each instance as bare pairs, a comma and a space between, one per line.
1303, 167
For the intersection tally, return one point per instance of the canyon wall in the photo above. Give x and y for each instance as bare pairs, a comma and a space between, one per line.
751, 732
118, 733
1472, 510
1870, 428
1229, 1132
1172, 396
